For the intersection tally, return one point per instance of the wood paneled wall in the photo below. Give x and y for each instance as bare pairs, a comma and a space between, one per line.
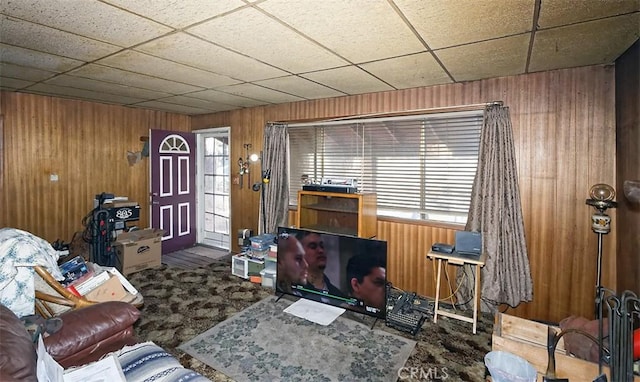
564, 131
628, 153
85, 144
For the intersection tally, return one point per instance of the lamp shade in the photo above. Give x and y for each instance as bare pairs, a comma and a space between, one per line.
602, 192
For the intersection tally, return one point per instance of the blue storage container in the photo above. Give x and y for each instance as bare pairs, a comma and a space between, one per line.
262, 242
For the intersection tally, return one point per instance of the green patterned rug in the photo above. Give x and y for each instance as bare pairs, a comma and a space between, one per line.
263, 343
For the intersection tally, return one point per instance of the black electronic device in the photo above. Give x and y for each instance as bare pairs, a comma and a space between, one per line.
442, 248
347, 260
423, 305
326, 188
468, 244
401, 314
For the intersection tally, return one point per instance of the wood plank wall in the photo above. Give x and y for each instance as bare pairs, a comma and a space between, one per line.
85, 144
564, 131
628, 149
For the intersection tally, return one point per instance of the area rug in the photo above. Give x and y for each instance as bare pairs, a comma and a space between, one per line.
180, 304
263, 343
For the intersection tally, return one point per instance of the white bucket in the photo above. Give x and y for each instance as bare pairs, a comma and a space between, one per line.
508, 367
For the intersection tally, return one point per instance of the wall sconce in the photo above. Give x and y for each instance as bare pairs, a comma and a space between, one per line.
244, 164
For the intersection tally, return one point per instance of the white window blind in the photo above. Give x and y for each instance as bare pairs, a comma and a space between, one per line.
421, 167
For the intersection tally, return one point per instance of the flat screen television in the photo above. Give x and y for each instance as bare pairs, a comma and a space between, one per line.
339, 270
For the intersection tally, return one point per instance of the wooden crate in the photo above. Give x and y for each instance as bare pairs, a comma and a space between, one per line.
528, 339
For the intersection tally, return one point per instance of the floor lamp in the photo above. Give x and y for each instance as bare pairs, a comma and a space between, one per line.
259, 186
602, 196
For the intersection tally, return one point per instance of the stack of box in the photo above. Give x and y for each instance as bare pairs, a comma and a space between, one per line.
245, 266
99, 285
270, 267
250, 263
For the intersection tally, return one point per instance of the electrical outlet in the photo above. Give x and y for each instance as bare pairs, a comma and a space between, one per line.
53, 177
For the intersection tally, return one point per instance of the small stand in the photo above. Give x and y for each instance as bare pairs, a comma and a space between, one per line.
454, 259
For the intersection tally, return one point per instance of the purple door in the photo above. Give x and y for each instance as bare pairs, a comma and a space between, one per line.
173, 189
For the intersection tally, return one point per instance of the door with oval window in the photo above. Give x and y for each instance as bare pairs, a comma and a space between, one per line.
173, 188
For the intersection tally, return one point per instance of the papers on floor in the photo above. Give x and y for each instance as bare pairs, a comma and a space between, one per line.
313, 311
106, 370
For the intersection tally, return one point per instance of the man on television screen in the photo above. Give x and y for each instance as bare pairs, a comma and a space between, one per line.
292, 267
366, 279
317, 260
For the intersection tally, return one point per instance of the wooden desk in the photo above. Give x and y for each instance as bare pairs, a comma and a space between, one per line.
454, 259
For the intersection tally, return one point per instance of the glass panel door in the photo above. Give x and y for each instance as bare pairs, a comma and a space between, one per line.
214, 191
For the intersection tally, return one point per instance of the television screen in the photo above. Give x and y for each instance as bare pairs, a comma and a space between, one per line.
340, 270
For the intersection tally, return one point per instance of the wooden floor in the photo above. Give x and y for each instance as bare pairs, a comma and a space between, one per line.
198, 256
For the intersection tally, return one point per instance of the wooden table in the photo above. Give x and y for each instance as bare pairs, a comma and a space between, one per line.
455, 259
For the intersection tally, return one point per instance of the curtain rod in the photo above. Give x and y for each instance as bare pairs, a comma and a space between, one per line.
433, 110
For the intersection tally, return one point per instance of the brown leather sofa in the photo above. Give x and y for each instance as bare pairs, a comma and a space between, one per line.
86, 335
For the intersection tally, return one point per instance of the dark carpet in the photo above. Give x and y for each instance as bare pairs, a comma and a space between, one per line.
183, 303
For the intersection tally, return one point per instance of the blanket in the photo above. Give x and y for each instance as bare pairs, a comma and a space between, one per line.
20, 251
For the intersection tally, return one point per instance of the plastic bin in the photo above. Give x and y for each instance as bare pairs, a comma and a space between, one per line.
507, 367
262, 242
270, 263
268, 278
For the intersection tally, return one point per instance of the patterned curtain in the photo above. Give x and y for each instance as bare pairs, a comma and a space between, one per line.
274, 201
496, 211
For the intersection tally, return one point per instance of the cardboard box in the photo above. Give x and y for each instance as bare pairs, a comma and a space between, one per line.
110, 290
138, 250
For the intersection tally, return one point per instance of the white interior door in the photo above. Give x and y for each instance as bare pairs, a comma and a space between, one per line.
214, 181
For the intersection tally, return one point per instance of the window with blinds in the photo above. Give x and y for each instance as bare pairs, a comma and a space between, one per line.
421, 167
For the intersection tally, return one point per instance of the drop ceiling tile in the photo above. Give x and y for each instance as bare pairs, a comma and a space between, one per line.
259, 93
255, 34
555, 13
53, 41
409, 71
226, 98
494, 58
207, 56
165, 106
358, 30
64, 91
30, 58
105, 87
107, 74
589, 43
13, 83
157, 67
300, 87
89, 18
196, 102
349, 80
178, 13
24, 73
446, 23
